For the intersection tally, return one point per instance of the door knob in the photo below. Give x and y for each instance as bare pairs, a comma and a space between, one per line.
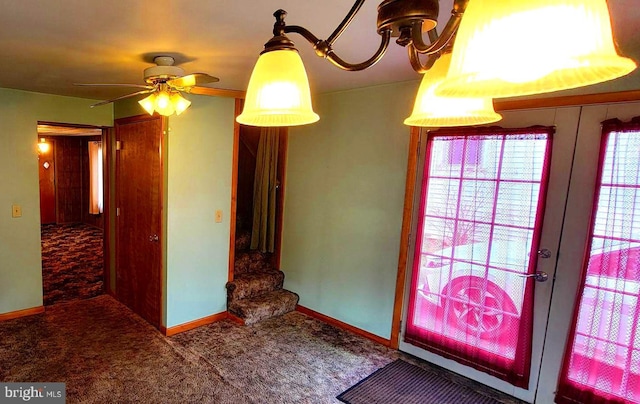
154, 238
539, 276
544, 253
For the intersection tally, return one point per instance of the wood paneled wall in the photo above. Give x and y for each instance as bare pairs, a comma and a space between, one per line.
72, 180
69, 179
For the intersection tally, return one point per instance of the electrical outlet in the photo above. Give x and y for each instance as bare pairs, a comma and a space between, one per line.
218, 216
16, 211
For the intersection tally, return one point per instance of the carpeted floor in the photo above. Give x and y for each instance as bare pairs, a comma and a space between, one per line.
106, 354
288, 359
72, 262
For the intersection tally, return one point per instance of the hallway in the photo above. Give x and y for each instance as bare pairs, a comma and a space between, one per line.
72, 262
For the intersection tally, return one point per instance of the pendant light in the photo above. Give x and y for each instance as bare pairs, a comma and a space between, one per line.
502, 48
514, 47
431, 110
278, 93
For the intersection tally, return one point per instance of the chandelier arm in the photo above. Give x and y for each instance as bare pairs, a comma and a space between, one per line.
442, 40
433, 35
345, 22
302, 31
416, 63
351, 67
323, 48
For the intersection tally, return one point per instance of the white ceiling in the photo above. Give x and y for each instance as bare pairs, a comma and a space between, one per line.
46, 46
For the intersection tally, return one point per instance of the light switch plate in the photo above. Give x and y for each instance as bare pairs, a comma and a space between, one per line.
218, 216
16, 211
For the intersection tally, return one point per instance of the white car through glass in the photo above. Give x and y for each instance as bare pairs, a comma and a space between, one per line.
480, 289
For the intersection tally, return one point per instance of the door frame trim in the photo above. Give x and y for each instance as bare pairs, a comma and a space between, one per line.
282, 174
239, 103
407, 216
106, 150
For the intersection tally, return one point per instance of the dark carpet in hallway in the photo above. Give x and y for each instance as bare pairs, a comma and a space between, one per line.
72, 262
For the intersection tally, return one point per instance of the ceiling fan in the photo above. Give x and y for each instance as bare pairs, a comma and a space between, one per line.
165, 82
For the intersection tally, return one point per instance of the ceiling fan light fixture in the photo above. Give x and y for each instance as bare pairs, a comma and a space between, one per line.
164, 84
278, 93
431, 110
148, 103
163, 104
179, 103
502, 49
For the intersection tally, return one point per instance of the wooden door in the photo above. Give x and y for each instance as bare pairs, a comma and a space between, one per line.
139, 215
46, 170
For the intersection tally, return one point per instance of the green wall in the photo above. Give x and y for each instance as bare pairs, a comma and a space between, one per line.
127, 107
20, 259
345, 190
344, 202
200, 157
198, 166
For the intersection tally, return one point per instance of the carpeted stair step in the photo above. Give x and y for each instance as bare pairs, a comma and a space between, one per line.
254, 284
252, 261
267, 305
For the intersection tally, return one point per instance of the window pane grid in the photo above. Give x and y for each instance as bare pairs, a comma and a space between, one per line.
603, 359
479, 211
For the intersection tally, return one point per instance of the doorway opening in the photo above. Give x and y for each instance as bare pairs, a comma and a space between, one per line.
255, 289
249, 250
70, 167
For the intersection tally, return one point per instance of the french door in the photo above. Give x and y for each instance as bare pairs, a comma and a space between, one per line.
471, 303
471, 295
602, 360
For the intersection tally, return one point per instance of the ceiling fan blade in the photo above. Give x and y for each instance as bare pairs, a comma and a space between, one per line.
191, 80
217, 92
122, 97
113, 85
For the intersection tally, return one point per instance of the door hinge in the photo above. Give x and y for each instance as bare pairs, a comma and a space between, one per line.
118, 145
117, 211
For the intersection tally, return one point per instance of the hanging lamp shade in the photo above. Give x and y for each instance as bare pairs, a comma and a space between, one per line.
433, 111
278, 93
514, 47
148, 103
179, 102
163, 104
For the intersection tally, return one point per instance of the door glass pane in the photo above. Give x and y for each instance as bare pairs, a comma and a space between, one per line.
603, 359
478, 225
